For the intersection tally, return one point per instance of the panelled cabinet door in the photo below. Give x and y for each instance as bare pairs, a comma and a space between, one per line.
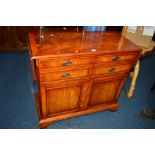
105, 91
60, 99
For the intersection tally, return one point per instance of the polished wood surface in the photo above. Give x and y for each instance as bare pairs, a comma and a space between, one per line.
79, 73
113, 58
49, 77
98, 95
68, 98
110, 69
52, 63
51, 43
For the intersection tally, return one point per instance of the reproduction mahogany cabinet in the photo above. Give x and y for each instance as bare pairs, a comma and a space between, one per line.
78, 72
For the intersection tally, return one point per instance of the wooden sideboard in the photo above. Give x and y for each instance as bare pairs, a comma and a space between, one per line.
79, 72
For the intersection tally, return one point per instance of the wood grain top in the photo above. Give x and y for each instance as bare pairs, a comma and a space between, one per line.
52, 43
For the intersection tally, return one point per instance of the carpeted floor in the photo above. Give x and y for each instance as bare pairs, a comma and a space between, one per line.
17, 105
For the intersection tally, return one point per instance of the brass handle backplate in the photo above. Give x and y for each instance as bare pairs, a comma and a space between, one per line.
65, 75
67, 63
111, 69
115, 58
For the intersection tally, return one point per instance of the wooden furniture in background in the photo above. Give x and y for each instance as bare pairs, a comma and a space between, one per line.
14, 38
135, 73
79, 72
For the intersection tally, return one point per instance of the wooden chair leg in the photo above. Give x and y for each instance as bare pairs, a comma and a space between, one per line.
131, 74
130, 91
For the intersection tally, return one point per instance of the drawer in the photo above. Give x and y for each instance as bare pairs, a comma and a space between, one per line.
110, 69
114, 58
53, 76
53, 63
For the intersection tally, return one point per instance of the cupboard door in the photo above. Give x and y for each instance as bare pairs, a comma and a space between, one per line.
60, 99
105, 91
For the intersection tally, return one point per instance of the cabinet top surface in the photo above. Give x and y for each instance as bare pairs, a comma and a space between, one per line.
54, 43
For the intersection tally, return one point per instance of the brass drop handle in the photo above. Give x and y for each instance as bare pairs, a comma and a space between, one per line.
65, 75
112, 69
115, 58
66, 63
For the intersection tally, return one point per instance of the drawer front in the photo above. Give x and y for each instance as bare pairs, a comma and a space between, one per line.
48, 77
110, 69
53, 63
114, 58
